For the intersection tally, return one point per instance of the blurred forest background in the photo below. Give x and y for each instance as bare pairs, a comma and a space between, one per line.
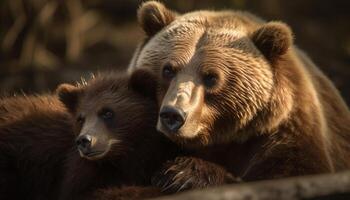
47, 42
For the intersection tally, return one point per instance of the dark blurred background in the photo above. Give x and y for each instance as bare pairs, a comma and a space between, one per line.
46, 42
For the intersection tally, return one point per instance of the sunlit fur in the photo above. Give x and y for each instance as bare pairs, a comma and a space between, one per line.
271, 97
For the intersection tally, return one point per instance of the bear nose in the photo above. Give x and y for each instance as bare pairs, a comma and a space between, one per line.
83, 143
172, 118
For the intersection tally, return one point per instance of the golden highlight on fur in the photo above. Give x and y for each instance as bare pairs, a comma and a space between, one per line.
257, 105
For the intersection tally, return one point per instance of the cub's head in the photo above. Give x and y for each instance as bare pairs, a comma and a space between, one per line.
113, 113
216, 71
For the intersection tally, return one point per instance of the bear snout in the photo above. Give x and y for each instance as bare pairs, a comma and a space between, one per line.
172, 118
83, 143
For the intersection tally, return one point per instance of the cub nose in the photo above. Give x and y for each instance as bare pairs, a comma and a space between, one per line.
83, 143
172, 118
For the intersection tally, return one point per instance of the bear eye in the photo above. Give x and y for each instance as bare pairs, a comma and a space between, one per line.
210, 80
168, 72
106, 114
80, 119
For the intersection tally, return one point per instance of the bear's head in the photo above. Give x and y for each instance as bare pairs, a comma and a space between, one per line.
217, 72
114, 113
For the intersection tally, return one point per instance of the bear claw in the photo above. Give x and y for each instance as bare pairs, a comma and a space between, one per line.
186, 173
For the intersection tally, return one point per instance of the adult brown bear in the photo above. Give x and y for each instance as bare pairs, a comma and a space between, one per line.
115, 117
235, 91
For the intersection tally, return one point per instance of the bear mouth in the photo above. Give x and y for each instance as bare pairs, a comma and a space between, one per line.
184, 133
94, 155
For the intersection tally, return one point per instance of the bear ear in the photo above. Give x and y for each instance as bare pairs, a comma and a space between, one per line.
144, 82
273, 39
69, 95
153, 16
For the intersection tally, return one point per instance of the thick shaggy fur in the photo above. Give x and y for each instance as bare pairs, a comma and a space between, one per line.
136, 150
35, 136
39, 158
256, 105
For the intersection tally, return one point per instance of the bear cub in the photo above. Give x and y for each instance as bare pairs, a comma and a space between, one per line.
92, 141
117, 142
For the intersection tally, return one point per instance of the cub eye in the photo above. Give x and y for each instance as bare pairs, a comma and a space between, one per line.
106, 114
210, 80
168, 72
80, 119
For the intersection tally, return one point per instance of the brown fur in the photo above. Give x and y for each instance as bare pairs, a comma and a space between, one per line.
132, 147
38, 155
153, 19
35, 136
270, 114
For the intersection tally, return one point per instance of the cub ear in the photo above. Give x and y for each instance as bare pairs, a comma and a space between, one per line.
144, 82
273, 39
69, 95
153, 16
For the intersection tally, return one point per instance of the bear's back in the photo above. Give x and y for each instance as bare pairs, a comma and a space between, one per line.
19, 107
35, 136
336, 114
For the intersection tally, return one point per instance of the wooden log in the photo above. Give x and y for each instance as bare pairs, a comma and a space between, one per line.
326, 186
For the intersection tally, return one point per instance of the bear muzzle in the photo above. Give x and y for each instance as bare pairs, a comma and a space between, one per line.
179, 109
172, 118
88, 147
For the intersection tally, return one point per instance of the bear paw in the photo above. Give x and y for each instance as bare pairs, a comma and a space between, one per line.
186, 173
